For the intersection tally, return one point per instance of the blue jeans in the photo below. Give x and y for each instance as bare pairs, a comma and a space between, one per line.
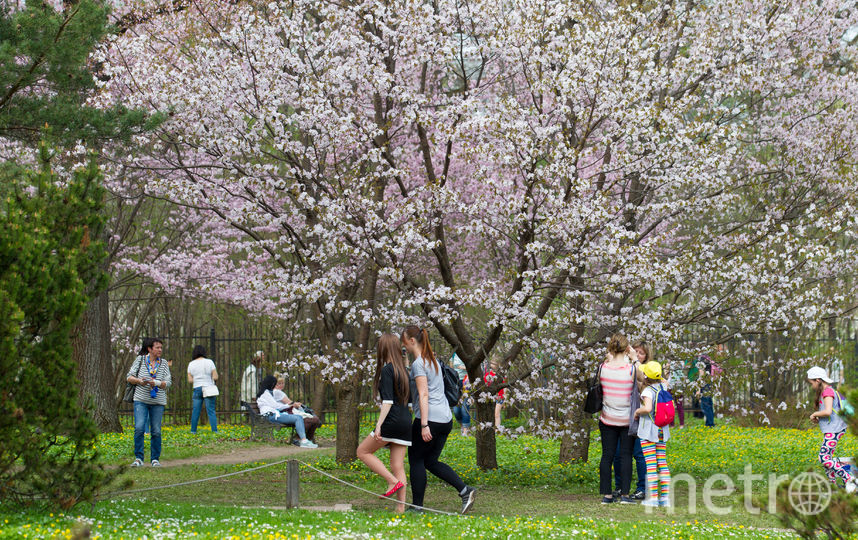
640, 465
290, 420
708, 410
462, 414
197, 401
151, 415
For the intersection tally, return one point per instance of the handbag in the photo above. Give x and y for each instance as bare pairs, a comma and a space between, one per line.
593, 401
210, 391
635, 403
128, 396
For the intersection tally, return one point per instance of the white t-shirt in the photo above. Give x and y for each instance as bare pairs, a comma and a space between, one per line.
201, 370
647, 430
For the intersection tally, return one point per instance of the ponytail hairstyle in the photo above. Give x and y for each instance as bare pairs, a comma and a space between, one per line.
618, 344
422, 337
389, 349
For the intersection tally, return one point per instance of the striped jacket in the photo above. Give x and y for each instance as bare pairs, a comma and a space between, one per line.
141, 392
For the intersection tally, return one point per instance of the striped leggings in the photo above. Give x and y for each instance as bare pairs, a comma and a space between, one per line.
657, 473
833, 468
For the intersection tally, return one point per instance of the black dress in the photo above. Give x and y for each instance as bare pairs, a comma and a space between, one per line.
396, 427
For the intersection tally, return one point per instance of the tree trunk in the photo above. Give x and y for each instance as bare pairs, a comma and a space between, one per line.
91, 351
318, 400
348, 423
486, 443
575, 446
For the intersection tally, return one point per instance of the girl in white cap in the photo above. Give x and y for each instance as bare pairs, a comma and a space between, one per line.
831, 424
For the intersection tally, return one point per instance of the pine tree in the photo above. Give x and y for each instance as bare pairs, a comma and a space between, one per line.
49, 260
46, 75
52, 253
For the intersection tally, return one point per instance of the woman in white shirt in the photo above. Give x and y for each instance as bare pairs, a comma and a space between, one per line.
275, 411
311, 422
202, 374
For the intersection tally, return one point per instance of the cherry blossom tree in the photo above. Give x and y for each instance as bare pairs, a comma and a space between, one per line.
526, 178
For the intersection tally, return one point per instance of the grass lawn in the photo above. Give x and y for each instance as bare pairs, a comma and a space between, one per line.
530, 495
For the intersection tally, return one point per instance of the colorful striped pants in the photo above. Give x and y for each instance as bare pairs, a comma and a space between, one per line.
833, 468
657, 473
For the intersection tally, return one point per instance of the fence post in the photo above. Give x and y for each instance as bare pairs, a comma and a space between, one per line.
292, 484
212, 352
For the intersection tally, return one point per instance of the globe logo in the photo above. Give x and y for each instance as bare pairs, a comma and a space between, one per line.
809, 493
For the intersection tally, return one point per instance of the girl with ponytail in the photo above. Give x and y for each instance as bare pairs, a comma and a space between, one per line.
393, 428
433, 421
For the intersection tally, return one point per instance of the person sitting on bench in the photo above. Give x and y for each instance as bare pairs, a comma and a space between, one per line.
275, 411
311, 422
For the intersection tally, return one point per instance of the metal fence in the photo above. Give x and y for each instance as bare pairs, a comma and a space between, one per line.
231, 351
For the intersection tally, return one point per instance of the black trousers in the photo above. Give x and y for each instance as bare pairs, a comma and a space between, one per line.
610, 436
423, 456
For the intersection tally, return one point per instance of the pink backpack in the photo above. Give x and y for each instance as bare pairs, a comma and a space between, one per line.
663, 411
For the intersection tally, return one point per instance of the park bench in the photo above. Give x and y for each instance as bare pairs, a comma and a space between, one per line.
261, 427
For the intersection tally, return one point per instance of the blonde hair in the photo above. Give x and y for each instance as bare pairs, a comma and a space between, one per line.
646, 347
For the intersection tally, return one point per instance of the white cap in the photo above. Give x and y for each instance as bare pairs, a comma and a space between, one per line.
817, 372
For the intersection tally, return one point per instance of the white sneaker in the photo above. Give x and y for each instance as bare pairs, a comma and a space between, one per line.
307, 443
156, 463
137, 463
851, 486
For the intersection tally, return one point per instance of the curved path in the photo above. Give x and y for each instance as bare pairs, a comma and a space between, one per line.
242, 455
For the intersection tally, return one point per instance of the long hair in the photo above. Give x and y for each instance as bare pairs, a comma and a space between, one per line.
199, 352
422, 337
390, 350
820, 388
646, 347
267, 384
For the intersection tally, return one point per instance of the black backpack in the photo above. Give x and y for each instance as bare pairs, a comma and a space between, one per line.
452, 385
593, 401
453, 388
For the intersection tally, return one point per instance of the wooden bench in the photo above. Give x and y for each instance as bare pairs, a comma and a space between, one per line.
261, 427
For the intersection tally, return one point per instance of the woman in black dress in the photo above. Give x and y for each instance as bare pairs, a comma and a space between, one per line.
393, 428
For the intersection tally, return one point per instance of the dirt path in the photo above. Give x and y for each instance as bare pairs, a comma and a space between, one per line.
242, 455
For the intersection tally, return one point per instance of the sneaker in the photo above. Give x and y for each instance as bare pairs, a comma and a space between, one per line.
156, 463
851, 486
638, 495
414, 510
651, 502
468, 498
308, 444
608, 500
616, 494
625, 499
665, 503
137, 463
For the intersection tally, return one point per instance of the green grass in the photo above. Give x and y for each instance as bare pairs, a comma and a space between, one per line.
530, 494
139, 518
